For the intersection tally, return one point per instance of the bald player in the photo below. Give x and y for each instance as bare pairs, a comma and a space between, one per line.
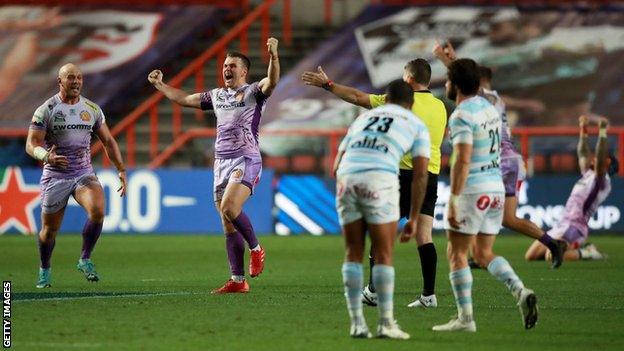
60, 137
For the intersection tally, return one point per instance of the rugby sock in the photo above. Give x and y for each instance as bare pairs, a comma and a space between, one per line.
353, 280
243, 225
45, 251
90, 235
428, 266
500, 268
546, 239
461, 282
236, 253
383, 276
371, 264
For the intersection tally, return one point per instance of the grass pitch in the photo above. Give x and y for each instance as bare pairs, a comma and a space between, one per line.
154, 294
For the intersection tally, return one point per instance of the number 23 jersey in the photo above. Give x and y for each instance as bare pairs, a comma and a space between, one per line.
476, 122
378, 139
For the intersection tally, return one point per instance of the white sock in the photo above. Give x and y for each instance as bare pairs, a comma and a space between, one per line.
383, 278
352, 279
238, 278
257, 248
461, 282
501, 269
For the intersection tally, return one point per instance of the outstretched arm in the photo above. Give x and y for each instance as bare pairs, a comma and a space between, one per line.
113, 153
602, 148
174, 94
348, 94
582, 149
273, 72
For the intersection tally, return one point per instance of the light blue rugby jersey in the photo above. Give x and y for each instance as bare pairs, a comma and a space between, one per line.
378, 139
475, 121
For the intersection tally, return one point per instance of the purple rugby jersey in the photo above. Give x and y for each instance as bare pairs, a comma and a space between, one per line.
69, 127
238, 117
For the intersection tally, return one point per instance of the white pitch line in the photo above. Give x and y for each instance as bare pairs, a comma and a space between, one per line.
104, 296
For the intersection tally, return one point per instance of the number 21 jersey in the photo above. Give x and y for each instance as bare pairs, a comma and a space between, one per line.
476, 122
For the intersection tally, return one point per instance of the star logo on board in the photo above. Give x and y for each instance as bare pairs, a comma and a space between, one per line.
17, 202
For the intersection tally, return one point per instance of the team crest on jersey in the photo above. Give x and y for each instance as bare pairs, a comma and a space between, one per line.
85, 116
59, 116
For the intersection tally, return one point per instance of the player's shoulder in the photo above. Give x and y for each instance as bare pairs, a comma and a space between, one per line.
47, 107
90, 104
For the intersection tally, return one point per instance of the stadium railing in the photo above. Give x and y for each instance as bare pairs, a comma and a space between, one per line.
333, 137
195, 70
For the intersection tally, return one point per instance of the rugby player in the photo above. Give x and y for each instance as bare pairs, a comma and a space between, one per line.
474, 212
60, 137
367, 199
238, 165
588, 193
512, 166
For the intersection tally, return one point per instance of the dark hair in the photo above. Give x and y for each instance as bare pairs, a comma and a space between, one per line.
420, 70
464, 74
485, 73
399, 92
243, 58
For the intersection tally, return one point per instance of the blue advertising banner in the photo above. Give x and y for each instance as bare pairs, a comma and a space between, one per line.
305, 204
162, 201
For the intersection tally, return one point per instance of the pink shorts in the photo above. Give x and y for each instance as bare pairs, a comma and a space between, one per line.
245, 170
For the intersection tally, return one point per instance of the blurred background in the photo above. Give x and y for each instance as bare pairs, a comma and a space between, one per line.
555, 59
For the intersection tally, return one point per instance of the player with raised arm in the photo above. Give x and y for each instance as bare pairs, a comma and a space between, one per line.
588, 193
238, 164
474, 212
512, 165
431, 111
60, 137
367, 198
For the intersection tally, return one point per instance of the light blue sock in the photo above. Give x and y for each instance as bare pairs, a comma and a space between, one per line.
383, 278
352, 279
501, 269
461, 282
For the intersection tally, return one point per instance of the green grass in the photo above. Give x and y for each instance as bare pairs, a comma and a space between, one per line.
298, 302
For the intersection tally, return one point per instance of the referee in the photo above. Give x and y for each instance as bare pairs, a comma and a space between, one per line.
431, 110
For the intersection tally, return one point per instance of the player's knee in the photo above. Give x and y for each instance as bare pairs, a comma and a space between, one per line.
457, 259
483, 257
48, 232
96, 214
530, 256
229, 211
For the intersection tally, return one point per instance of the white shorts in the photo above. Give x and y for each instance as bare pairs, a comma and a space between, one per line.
372, 195
478, 213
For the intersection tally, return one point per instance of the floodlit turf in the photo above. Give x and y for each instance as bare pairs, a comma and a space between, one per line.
154, 294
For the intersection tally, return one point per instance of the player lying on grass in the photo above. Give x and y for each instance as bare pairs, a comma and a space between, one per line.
431, 111
511, 165
588, 193
367, 199
474, 212
238, 164
60, 136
